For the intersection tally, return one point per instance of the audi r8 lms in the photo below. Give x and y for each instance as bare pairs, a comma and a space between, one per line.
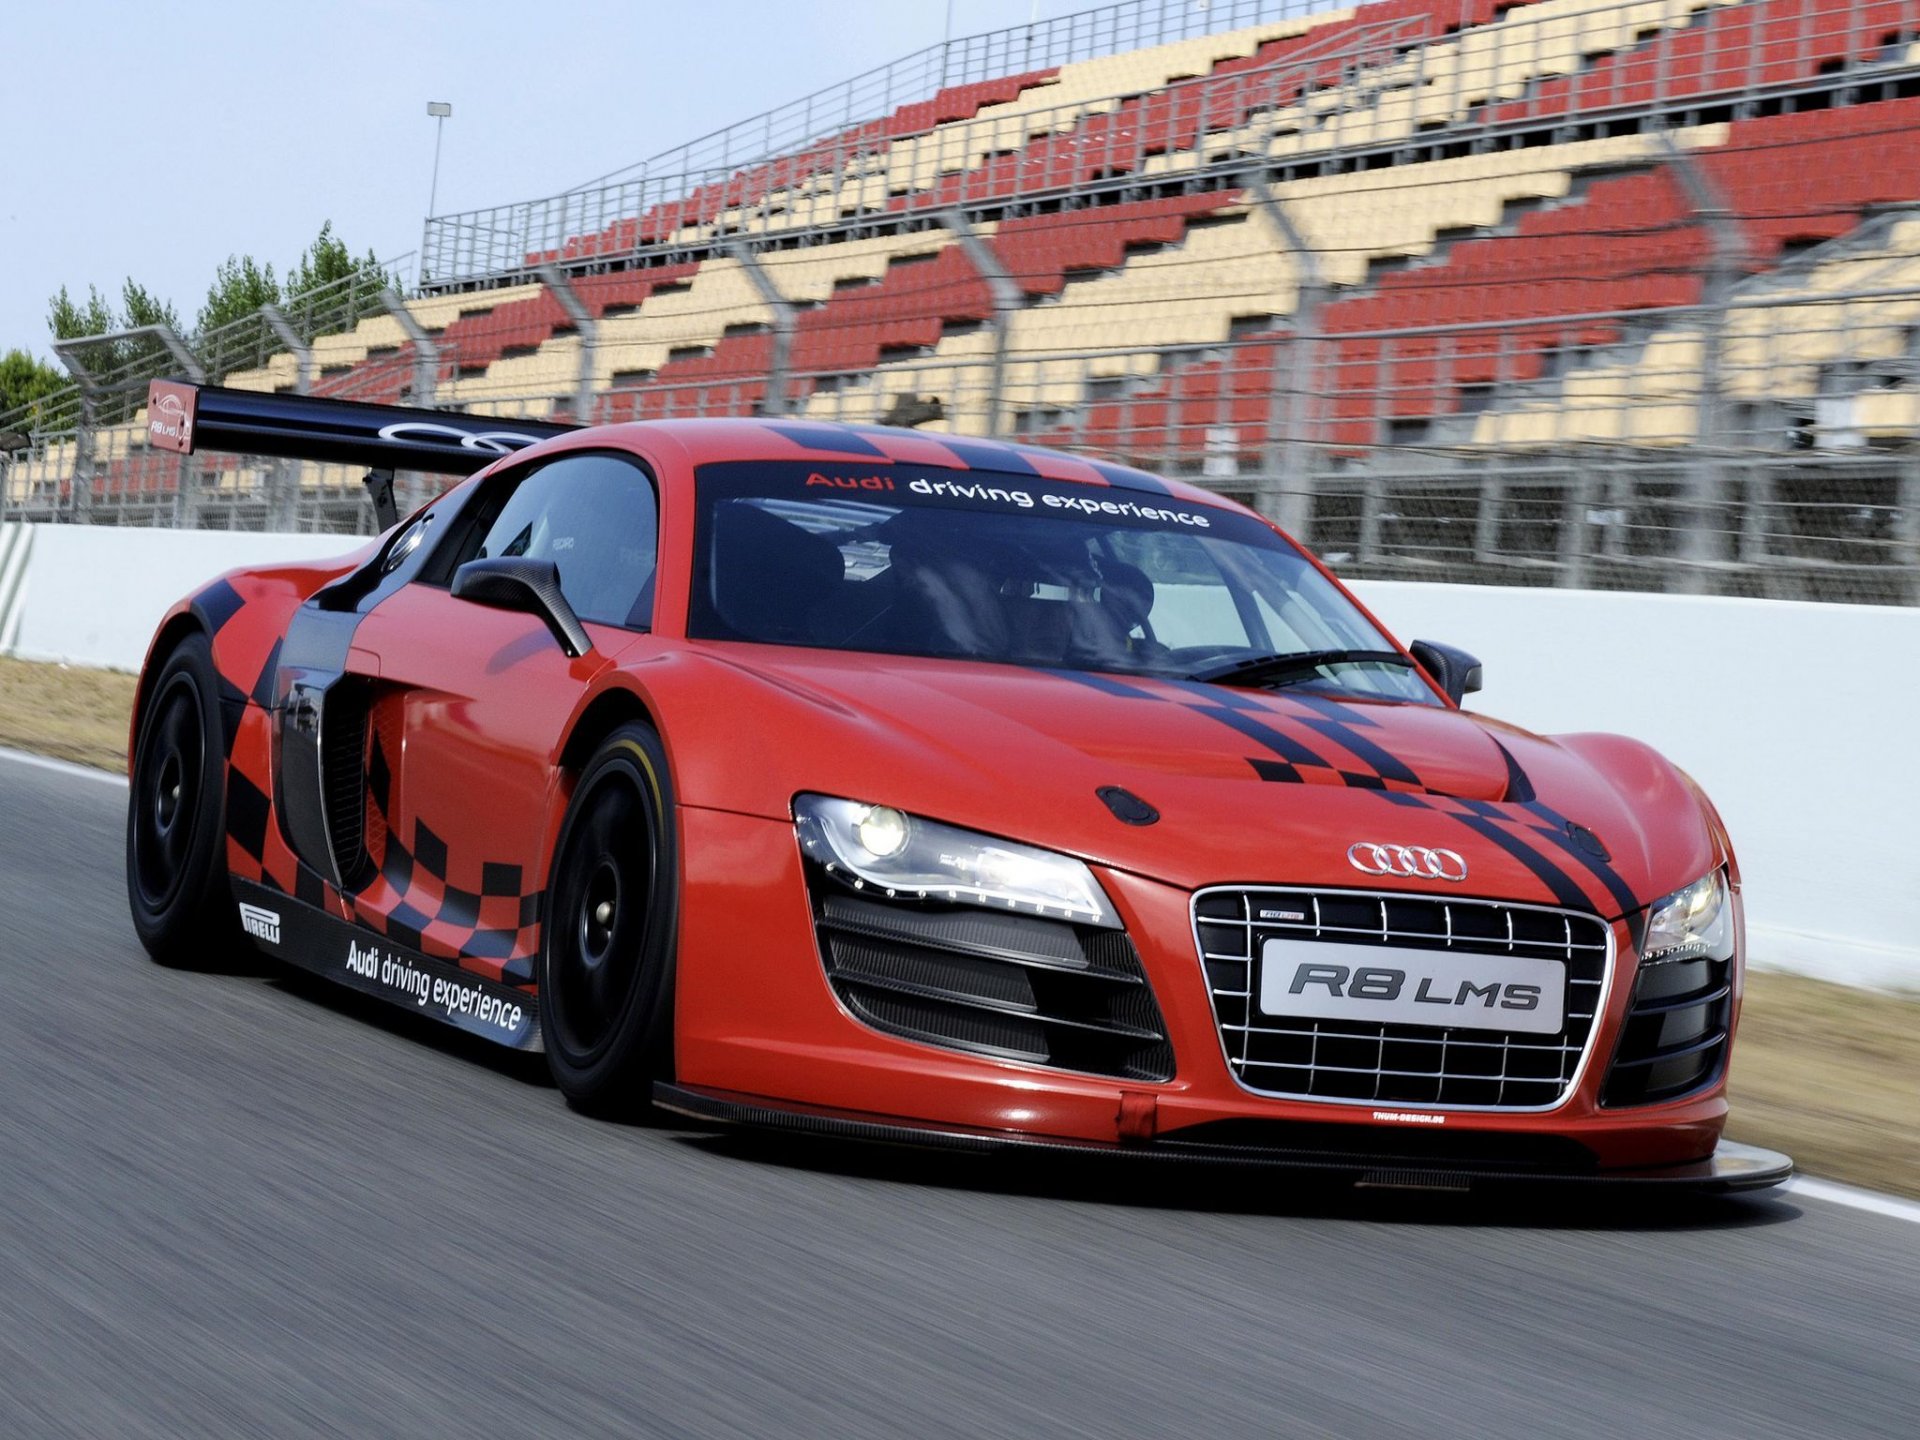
914, 787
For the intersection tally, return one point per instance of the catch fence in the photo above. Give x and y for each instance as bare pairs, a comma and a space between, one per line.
1743, 420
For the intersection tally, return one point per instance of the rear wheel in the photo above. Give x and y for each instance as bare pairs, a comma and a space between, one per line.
176, 826
606, 953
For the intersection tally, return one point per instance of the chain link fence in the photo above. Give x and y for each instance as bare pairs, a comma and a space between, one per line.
1682, 355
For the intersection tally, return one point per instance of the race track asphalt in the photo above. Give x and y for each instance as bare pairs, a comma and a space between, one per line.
247, 1205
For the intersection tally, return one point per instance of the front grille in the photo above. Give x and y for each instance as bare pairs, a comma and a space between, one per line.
1675, 1038
1014, 987
1397, 1063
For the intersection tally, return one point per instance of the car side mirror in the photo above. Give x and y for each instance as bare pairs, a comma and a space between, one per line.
1453, 670
514, 582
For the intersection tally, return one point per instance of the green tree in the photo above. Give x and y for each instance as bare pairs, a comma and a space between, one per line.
327, 262
25, 381
330, 285
240, 287
139, 306
144, 357
69, 320
121, 367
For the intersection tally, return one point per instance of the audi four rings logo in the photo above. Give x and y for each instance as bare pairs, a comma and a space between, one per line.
491, 442
1415, 862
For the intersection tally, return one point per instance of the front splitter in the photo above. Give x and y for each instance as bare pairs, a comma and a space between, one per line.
1730, 1168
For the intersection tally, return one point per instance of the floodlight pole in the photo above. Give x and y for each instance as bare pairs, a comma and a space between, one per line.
439, 110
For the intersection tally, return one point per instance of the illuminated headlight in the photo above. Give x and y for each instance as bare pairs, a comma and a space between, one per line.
904, 855
1690, 923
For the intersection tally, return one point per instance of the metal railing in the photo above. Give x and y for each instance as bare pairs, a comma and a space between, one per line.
1351, 90
1579, 468
835, 112
860, 178
1741, 430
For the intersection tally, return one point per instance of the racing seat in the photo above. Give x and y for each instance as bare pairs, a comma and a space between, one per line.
1102, 632
945, 603
770, 576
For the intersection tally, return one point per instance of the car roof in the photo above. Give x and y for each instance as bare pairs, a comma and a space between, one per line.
773, 437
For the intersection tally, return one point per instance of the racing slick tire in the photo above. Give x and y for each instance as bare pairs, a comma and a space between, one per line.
176, 818
607, 948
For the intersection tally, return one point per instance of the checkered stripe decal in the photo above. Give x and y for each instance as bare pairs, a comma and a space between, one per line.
1315, 741
408, 899
412, 901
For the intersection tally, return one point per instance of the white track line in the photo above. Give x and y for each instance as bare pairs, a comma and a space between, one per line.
1871, 1201
62, 767
1833, 1193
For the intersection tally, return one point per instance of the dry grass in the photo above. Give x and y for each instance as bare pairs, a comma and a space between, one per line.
67, 712
1828, 1074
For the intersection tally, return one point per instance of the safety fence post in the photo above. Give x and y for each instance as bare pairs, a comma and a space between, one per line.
1285, 493
785, 322
586, 327
426, 354
1007, 297
283, 489
79, 506
1708, 484
1906, 531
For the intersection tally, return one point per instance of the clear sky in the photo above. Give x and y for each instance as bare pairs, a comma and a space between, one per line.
154, 140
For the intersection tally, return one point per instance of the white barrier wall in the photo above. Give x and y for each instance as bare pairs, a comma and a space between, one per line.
1798, 719
93, 595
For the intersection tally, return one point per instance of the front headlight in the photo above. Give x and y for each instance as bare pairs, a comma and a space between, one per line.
1690, 923
903, 854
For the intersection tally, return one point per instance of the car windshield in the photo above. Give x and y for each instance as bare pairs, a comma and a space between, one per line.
1018, 570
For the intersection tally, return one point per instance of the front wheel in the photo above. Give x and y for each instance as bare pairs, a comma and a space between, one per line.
176, 826
607, 948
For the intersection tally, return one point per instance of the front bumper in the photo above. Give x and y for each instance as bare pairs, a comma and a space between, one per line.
1729, 1169
757, 1021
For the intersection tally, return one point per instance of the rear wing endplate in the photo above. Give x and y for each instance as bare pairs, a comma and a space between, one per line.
193, 419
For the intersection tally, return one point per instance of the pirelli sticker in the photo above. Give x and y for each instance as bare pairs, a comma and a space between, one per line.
356, 957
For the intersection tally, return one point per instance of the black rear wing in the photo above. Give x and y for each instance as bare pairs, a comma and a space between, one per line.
192, 419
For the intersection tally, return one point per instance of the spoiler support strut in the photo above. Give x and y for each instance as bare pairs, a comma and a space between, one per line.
386, 511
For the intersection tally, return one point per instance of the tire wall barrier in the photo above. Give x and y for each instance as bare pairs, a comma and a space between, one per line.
1796, 718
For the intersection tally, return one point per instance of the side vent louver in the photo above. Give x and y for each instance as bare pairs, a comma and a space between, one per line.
343, 780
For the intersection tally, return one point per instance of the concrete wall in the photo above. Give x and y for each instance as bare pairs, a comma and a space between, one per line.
93, 594
1798, 719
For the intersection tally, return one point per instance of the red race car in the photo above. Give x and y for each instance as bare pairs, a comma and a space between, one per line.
906, 786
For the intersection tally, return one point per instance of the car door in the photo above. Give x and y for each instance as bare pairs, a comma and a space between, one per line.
468, 704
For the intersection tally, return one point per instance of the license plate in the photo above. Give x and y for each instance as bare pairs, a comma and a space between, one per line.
1322, 980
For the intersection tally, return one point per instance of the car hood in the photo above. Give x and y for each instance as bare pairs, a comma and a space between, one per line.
1249, 786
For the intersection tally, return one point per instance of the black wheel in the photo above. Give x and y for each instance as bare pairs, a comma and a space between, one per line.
607, 948
176, 821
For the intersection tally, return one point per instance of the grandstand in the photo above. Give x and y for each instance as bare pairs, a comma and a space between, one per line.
1546, 291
